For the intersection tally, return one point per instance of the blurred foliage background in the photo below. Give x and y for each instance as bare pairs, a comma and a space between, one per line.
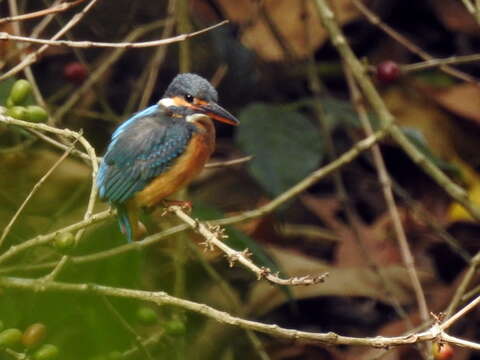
262, 64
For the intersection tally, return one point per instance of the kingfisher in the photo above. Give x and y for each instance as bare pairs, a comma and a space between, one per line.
160, 149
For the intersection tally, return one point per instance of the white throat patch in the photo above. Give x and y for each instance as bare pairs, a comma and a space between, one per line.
195, 117
166, 102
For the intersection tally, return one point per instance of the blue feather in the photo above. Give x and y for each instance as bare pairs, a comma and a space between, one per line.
124, 222
142, 148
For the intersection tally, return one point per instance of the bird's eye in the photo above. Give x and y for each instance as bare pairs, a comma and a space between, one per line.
189, 98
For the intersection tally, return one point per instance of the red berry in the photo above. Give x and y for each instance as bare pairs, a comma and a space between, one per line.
387, 71
75, 72
442, 351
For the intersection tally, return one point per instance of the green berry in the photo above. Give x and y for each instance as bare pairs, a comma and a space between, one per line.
20, 91
175, 328
10, 337
34, 335
64, 241
146, 315
17, 112
36, 114
46, 352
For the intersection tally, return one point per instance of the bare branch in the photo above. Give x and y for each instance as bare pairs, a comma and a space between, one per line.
213, 234
51, 10
90, 44
32, 57
161, 298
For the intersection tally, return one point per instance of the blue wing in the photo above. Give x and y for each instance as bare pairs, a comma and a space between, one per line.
141, 148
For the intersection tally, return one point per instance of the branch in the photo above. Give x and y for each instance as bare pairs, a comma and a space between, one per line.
90, 44
214, 233
386, 118
220, 164
375, 20
161, 298
51, 10
386, 184
76, 136
345, 158
32, 57
440, 62
45, 239
39, 183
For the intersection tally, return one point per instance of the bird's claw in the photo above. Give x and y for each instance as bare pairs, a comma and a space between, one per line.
184, 205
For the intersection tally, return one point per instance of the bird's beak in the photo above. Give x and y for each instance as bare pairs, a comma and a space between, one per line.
216, 112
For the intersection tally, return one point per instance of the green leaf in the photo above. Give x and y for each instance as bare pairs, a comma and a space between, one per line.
339, 113
286, 146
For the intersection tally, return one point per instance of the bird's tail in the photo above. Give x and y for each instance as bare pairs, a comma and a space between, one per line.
129, 222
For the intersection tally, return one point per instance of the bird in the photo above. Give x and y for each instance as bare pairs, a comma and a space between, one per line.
160, 149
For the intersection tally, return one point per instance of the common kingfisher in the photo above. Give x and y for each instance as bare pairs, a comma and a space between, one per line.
160, 149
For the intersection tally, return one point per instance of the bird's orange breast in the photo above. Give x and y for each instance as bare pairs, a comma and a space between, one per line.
183, 170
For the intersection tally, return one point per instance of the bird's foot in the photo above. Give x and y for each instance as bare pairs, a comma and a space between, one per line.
184, 205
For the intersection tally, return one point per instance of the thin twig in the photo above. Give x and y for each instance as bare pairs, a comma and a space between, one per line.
384, 115
42, 25
345, 158
35, 188
89, 44
77, 136
220, 164
439, 62
306, 182
384, 178
459, 314
51, 10
45, 239
232, 298
28, 70
136, 337
155, 63
462, 288
32, 57
375, 20
59, 145
213, 235
102, 67
57, 269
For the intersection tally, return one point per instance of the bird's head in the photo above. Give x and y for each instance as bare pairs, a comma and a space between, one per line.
193, 97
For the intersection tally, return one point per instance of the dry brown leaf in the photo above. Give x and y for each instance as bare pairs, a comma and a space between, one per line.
461, 99
377, 237
290, 18
413, 110
352, 281
454, 16
445, 137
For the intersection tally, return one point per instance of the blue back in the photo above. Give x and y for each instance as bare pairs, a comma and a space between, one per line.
142, 148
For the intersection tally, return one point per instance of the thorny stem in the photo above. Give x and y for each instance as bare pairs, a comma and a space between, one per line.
213, 236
